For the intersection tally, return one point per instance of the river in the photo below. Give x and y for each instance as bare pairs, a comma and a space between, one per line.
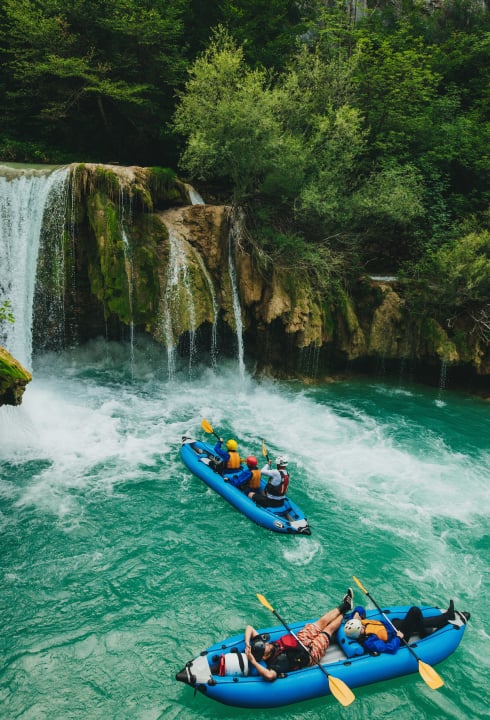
118, 566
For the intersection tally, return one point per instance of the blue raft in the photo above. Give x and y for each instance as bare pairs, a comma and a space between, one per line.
340, 661
288, 518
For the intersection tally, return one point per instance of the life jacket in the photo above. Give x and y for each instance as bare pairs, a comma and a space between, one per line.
234, 461
375, 627
278, 492
288, 654
254, 481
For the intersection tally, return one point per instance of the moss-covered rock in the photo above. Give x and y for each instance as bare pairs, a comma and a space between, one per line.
149, 258
386, 328
13, 379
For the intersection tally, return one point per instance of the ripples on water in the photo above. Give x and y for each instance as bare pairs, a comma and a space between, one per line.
118, 566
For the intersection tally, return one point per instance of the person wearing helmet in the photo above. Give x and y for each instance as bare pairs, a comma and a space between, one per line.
380, 636
272, 659
248, 478
277, 485
230, 456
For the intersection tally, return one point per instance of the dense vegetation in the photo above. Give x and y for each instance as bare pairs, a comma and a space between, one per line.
353, 144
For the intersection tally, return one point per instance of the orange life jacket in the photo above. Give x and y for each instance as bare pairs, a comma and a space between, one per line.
375, 627
234, 461
254, 481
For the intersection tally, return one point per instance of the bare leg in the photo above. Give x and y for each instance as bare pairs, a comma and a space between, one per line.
330, 622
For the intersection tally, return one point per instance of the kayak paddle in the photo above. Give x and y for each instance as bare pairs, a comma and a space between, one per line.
338, 688
265, 453
208, 428
429, 675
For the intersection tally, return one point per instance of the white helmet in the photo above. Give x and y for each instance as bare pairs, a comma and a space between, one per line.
352, 628
282, 461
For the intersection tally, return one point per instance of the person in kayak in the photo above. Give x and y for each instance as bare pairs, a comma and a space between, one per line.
379, 636
276, 488
286, 654
230, 457
248, 478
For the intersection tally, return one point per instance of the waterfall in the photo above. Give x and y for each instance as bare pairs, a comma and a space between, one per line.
32, 202
234, 233
129, 266
309, 358
128, 261
178, 291
442, 376
194, 196
214, 302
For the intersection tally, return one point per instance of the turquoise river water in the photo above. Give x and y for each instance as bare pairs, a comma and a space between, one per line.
118, 566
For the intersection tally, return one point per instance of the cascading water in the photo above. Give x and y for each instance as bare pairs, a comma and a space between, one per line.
232, 238
29, 198
178, 291
194, 196
214, 302
125, 216
309, 360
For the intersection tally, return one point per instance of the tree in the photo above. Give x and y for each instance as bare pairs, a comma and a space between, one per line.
88, 75
230, 118
268, 30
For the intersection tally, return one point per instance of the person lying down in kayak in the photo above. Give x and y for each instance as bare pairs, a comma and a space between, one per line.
285, 654
378, 636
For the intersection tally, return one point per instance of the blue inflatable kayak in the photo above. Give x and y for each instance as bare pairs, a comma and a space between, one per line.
288, 518
341, 660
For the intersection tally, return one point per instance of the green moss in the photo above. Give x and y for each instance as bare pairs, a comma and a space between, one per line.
142, 197
347, 311
107, 182
328, 320
13, 377
437, 341
107, 266
165, 187
149, 244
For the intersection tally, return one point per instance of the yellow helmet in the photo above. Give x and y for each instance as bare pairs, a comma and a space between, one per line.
232, 445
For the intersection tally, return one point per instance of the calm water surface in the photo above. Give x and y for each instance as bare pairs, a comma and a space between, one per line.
117, 566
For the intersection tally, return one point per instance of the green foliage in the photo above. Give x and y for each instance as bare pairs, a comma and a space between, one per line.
454, 281
267, 29
397, 87
391, 197
6, 312
230, 117
90, 73
462, 269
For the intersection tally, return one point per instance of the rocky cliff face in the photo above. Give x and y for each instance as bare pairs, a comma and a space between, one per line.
145, 257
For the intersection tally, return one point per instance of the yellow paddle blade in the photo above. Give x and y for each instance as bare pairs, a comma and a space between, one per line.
360, 585
264, 449
340, 691
264, 602
206, 426
433, 679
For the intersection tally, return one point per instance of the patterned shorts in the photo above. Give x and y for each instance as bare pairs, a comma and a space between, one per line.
315, 640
